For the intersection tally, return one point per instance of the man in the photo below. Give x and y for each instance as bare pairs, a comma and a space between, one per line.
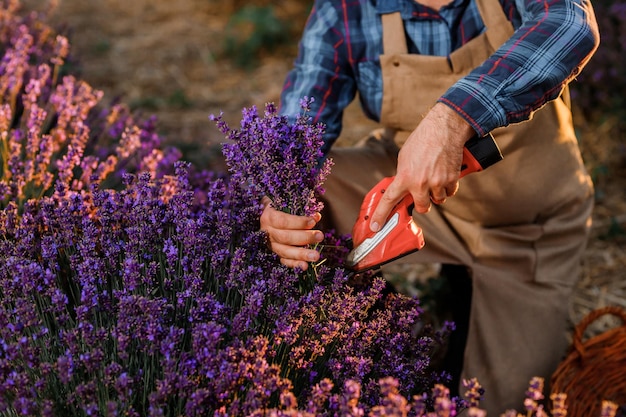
435, 73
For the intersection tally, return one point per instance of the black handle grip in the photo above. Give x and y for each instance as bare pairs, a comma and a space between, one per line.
484, 150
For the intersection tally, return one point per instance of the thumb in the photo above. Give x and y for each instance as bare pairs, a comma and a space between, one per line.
389, 198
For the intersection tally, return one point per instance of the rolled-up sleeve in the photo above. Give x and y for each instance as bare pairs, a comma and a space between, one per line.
554, 42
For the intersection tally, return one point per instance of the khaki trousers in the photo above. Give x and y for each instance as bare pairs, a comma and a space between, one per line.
522, 274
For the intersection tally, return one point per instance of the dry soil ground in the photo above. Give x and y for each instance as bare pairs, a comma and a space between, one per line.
164, 57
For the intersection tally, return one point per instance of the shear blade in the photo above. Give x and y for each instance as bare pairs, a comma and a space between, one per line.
369, 244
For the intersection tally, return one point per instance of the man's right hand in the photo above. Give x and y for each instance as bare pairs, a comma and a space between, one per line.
290, 234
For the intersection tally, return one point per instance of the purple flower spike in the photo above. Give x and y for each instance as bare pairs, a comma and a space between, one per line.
277, 158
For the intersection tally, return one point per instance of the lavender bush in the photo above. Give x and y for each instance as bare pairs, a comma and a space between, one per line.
131, 284
150, 301
50, 126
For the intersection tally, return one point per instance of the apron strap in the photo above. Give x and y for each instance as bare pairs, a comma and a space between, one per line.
394, 39
499, 28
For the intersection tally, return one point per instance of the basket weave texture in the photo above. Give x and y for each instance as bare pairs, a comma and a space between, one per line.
595, 369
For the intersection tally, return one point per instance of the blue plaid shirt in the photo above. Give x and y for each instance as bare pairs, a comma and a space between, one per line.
339, 56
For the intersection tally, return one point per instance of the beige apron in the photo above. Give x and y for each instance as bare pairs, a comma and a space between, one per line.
520, 226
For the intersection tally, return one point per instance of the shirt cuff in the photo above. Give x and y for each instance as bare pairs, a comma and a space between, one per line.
476, 105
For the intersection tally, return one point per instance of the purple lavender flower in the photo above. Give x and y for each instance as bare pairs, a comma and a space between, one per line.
609, 409
347, 403
474, 392
534, 393
476, 412
49, 126
277, 158
559, 407
392, 402
443, 405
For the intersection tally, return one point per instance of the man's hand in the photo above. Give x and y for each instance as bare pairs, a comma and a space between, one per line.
289, 234
429, 163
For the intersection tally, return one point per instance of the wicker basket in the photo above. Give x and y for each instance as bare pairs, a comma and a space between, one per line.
595, 369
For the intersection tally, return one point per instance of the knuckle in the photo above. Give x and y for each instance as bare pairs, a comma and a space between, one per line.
281, 236
265, 219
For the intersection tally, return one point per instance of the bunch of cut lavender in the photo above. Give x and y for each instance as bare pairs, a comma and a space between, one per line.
277, 158
280, 159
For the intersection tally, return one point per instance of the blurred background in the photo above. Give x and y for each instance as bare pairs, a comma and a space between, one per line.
186, 59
